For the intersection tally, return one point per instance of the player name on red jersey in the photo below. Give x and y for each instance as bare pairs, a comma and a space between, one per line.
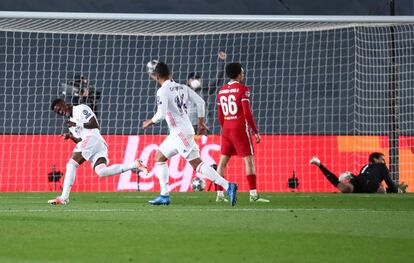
226, 91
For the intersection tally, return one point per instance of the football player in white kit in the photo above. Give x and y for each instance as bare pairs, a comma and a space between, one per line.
84, 130
172, 99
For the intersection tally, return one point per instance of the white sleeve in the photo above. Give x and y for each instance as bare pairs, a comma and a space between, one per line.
162, 104
198, 101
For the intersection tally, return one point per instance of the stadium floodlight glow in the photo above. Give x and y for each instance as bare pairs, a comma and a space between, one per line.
332, 86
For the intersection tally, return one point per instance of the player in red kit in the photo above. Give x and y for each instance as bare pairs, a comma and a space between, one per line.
237, 123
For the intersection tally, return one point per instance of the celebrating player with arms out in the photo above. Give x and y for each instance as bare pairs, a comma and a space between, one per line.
236, 120
84, 130
172, 101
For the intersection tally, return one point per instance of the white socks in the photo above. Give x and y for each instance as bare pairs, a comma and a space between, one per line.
253, 192
161, 170
69, 178
211, 174
103, 170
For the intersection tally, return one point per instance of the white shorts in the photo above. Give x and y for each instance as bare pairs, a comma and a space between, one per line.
182, 144
92, 148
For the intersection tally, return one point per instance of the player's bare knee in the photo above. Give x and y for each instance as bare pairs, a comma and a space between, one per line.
249, 160
221, 166
195, 163
78, 158
99, 166
159, 157
250, 168
224, 159
100, 169
100, 160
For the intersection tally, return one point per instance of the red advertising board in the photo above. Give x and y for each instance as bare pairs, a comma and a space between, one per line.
27, 159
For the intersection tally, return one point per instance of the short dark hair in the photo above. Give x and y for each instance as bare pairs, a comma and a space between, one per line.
375, 155
193, 75
55, 102
162, 70
233, 69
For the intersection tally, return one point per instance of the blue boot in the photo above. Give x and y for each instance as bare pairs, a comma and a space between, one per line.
232, 193
160, 200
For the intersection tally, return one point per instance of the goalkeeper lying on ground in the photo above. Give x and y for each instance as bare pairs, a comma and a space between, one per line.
369, 179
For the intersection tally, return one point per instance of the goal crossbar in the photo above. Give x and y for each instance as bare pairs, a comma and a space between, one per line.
184, 24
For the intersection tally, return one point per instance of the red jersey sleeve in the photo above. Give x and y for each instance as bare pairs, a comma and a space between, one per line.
248, 115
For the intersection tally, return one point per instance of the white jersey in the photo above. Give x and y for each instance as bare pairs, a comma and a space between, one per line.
82, 114
172, 101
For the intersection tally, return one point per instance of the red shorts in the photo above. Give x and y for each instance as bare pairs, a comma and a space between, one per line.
236, 142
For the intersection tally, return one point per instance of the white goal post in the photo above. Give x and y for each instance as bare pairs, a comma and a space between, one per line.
338, 87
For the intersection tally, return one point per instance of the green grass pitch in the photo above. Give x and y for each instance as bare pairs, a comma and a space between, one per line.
121, 227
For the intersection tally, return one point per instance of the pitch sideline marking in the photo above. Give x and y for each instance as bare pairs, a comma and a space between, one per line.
204, 210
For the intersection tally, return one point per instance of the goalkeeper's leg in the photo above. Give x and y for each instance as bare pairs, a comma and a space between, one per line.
332, 178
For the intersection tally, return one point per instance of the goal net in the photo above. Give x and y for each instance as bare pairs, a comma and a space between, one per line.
335, 87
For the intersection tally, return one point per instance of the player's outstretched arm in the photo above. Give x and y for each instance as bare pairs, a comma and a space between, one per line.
221, 72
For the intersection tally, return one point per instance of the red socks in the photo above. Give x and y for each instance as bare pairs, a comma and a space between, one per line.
251, 179
218, 187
